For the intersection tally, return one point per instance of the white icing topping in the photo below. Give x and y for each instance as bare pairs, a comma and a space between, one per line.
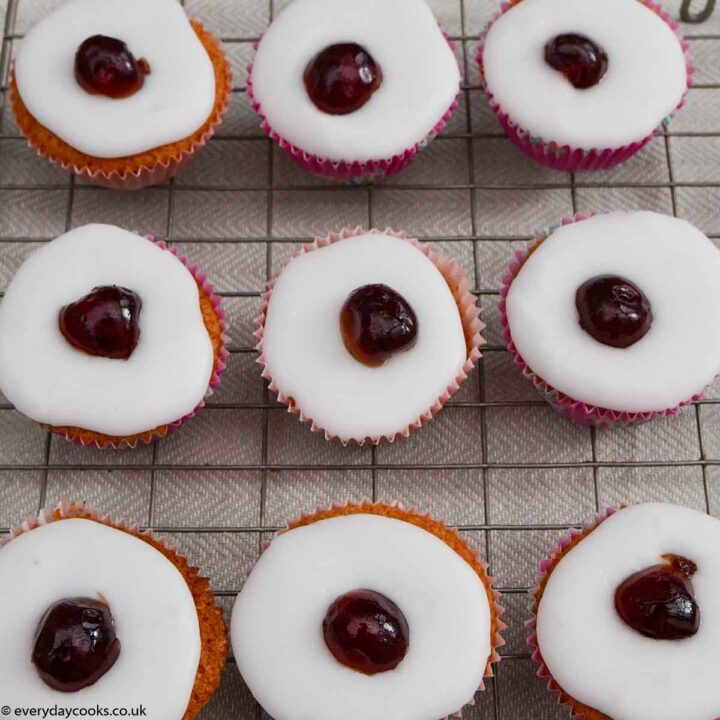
676, 267
306, 356
175, 101
276, 628
155, 617
50, 381
645, 80
420, 76
604, 663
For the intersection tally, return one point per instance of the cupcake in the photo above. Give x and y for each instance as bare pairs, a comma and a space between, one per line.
580, 84
363, 612
109, 338
97, 614
616, 317
624, 624
365, 335
120, 92
354, 90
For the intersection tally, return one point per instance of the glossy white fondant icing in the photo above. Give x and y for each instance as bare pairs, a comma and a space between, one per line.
155, 617
175, 100
604, 663
276, 628
420, 76
306, 356
678, 269
50, 381
645, 80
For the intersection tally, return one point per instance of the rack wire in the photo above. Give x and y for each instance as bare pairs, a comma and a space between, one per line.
497, 462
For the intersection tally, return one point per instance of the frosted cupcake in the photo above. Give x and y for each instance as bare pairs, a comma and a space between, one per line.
366, 334
322, 629
616, 317
581, 85
96, 613
121, 92
353, 90
109, 338
625, 616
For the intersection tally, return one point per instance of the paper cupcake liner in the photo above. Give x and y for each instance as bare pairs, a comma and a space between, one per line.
566, 157
579, 412
368, 171
459, 285
546, 567
449, 536
137, 171
213, 637
214, 316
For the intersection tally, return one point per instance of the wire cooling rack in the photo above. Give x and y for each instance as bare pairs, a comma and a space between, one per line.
497, 462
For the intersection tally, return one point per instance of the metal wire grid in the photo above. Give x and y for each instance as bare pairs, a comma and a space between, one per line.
505, 499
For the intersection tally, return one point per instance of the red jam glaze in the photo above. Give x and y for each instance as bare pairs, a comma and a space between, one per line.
75, 644
376, 323
366, 631
104, 323
613, 310
578, 58
105, 66
659, 601
342, 78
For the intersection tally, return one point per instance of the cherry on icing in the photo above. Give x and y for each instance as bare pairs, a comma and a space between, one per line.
105, 66
376, 323
75, 644
104, 323
341, 78
659, 601
613, 310
366, 631
578, 58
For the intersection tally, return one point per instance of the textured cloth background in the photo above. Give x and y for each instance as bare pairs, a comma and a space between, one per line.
497, 462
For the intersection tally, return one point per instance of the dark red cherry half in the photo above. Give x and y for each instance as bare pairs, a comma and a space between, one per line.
75, 644
342, 78
104, 323
376, 323
366, 631
613, 310
105, 66
578, 58
659, 602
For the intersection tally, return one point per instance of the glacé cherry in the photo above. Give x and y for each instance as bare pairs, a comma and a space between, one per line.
75, 644
105, 66
376, 323
104, 323
613, 310
341, 78
659, 602
366, 631
578, 58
